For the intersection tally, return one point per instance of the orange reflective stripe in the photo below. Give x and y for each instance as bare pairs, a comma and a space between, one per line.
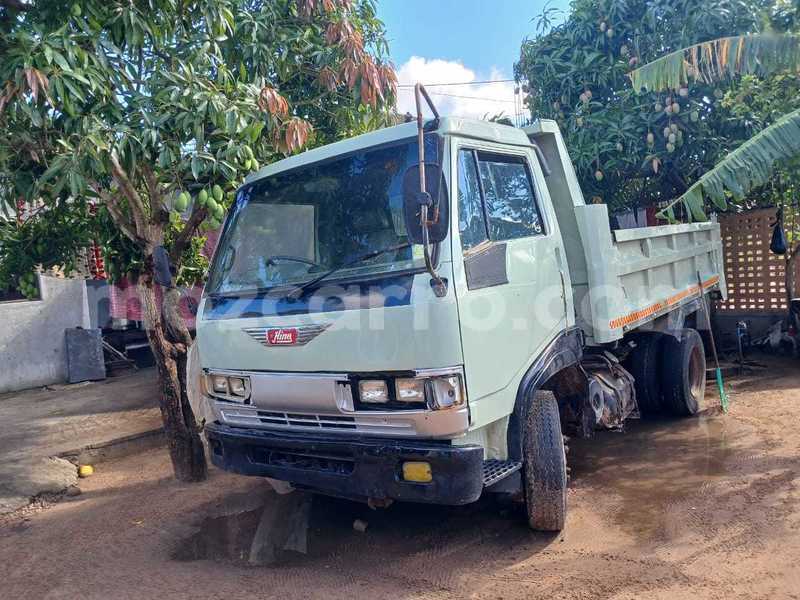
661, 305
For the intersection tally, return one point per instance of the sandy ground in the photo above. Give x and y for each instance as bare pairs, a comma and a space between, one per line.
41, 423
53, 419
704, 508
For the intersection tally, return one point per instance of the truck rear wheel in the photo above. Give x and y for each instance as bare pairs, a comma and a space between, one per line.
545, 465
643, 364
684, 373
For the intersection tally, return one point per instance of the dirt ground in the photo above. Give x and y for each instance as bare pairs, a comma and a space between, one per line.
702, 508
46, 422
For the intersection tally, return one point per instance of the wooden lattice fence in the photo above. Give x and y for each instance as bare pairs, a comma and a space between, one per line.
755, 276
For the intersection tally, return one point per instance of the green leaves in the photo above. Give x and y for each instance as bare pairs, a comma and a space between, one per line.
52, 239
196, 167
577, 56
752, 164
172, 89
749, 166
712, 61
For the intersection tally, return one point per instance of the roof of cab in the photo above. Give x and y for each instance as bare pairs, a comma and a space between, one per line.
471, 128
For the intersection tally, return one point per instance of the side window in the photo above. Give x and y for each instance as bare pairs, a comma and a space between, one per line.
471, 222
509, 197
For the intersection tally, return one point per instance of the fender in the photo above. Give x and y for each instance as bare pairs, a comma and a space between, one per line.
565, 350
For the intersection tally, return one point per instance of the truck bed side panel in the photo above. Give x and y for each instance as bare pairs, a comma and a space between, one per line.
638, 275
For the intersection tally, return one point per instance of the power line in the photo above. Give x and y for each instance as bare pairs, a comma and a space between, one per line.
427, 85
471, 97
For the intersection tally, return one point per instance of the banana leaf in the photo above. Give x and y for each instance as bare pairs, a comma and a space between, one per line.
748, 167
708, 62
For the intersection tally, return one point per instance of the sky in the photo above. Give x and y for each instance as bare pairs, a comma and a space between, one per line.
454, 41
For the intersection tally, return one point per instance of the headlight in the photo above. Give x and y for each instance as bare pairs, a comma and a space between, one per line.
237, 387
432, 389
410, 390
373, 391
233, 388
220, 384
445, 392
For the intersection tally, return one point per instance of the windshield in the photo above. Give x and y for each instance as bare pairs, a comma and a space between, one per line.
293, 226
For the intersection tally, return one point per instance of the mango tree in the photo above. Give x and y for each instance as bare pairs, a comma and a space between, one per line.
631, 148
767, 69
156, 110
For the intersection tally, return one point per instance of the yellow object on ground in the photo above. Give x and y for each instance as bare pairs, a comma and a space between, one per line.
85, 470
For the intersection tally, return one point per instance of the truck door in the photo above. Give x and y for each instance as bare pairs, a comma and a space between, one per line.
510, 283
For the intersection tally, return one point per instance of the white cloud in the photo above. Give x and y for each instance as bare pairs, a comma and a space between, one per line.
475, 101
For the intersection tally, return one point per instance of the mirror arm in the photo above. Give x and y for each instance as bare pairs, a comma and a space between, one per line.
542, 160
438, 284
420, 89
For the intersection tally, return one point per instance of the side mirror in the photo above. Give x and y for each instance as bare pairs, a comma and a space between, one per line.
436, 196
161, 267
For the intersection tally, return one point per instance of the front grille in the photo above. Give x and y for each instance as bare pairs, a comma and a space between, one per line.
298, 420
252, 417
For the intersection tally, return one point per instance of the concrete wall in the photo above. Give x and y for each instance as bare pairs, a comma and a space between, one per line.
32, 346
99, 304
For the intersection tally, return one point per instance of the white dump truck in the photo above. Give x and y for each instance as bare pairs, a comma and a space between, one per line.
422, 312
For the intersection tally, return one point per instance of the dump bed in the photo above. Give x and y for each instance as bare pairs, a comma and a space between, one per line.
627, 278
638, 275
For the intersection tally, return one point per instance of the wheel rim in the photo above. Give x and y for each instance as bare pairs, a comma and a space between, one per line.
697, 374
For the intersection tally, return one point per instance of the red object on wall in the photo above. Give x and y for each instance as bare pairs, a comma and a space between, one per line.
97, 265
126, 304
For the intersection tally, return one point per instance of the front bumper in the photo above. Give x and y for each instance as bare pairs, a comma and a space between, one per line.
357, 468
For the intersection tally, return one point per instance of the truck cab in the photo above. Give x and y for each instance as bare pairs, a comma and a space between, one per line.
340, 352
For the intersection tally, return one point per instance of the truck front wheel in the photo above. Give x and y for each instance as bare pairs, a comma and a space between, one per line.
683, 373
545, 465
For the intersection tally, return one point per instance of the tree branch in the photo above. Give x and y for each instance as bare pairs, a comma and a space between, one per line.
134, 200
115, 210
156, 204
184, 237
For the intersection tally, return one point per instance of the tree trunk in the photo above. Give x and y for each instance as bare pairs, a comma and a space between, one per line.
169, 342
166, 331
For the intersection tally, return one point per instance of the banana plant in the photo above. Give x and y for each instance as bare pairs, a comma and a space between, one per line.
751, 165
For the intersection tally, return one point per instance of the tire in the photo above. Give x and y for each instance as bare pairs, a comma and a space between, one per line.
683, 373
545, 465
644, 364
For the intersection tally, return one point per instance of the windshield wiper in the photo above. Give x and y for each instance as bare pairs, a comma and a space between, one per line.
257, 291
295, 292
298, 291
275, 259
253, 292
